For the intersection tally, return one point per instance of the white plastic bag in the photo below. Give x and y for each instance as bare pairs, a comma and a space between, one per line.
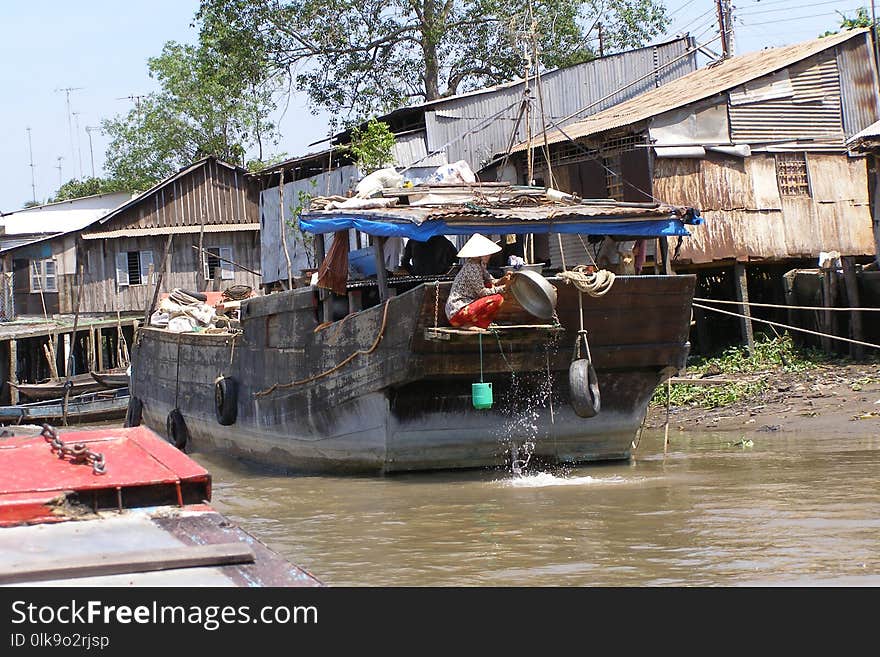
374, 183
457, 172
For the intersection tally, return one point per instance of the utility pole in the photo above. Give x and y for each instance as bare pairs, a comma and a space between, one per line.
33, 179
60, 181
89, 130
67, 91
601, 40
725, 27
78, 144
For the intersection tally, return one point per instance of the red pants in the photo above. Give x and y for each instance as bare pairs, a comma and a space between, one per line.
478, 313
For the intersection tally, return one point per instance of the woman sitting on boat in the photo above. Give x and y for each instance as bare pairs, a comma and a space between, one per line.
475, 297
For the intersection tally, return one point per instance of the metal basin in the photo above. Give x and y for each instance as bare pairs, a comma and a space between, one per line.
534, 293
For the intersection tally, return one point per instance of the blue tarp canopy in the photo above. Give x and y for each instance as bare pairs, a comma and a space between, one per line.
659, 227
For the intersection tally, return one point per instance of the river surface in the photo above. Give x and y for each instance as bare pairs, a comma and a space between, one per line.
786, 510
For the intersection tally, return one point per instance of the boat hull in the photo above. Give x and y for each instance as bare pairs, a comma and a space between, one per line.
406, 405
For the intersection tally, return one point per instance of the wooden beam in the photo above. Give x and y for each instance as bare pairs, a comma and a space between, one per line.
135, 561
664, 253
851, 281
742, 295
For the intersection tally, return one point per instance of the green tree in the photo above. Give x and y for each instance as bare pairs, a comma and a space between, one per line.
87, 187
356, 58
371, 145
861, 19
209, 103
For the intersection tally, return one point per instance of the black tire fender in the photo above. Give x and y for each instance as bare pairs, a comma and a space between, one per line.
584, 385
226, 400
135, 412
175, 429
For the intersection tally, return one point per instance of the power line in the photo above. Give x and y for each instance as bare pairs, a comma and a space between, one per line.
792, 7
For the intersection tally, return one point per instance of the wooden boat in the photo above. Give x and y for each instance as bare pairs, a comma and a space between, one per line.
388, 388
117, 378
141, 511
87, 407
55, 388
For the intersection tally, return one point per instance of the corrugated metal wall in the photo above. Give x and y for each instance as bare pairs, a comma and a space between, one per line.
412, 147
565, 91
273, 264
858, 84
811, 115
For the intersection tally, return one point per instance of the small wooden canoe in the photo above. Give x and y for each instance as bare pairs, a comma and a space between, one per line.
89, 407
55, 388
112, 378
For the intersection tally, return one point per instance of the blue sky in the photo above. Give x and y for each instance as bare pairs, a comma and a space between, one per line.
102, 46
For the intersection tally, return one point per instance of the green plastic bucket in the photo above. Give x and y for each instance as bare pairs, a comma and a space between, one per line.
481, 394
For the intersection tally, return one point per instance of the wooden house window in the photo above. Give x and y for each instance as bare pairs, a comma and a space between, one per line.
792, 174
133, 267
43, 276
219, 257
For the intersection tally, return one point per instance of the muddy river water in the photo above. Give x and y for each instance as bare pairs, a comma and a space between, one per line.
781, 510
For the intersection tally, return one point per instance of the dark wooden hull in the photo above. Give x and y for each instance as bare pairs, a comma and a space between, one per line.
406, 404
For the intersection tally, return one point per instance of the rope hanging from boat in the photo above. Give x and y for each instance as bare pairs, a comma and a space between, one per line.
595, 284
344, 362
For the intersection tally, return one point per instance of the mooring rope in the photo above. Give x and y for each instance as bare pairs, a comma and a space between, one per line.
595, 284
345, 361
776, 305
786, 326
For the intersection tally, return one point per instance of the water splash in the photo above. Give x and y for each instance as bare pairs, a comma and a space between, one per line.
524, 402
546, 479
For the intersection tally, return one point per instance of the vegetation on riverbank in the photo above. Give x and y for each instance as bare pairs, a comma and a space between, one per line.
742, 376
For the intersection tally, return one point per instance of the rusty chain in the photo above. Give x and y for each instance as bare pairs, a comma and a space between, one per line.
436, 301
79, 453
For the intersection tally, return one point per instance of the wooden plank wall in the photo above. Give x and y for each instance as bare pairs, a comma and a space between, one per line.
212, 193
746, 218
102, 294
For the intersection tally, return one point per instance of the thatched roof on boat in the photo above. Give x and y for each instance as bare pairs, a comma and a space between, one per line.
422, 211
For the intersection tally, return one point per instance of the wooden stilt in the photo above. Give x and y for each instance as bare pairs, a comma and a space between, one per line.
828, 302
100, 348
13, 371
851, 281
742, 295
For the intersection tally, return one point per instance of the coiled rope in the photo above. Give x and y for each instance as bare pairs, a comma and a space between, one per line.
348, 359
595, 284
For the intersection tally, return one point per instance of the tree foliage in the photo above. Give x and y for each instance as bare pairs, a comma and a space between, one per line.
209, 103
75, 188
861, 19
372, 145
356, 58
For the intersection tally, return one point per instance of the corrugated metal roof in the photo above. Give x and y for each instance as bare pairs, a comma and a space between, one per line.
871, 132
165, 230
699, 85
61, 217
471, 214
858, 84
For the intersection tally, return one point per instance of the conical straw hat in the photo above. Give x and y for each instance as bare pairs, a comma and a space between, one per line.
478, 246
